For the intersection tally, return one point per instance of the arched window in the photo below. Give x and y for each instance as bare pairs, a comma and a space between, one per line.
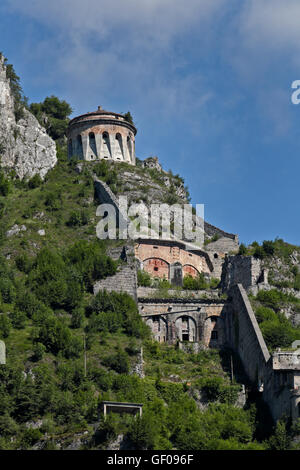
119, 147
92, 142
106, 151
186, 329
79, 148
130, 148
157, 267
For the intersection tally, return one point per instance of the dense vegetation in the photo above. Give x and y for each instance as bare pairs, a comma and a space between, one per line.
277, 330
269, 248
53, 114
189, 282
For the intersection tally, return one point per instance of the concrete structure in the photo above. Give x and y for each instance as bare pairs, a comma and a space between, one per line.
120, 407
102, 135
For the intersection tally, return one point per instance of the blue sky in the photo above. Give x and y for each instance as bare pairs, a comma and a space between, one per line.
208, 83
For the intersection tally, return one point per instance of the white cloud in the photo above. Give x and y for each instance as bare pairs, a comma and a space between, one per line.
125, 51
272, 24
155, 20
123, 48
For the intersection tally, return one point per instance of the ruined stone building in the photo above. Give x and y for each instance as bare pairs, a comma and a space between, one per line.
102, 135
161, 258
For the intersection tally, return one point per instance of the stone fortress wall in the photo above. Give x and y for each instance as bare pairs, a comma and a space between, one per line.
276, 376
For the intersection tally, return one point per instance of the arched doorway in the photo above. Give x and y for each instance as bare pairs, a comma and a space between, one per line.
189, 270
156, 267
186, 329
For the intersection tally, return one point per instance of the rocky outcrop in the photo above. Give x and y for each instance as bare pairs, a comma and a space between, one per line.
152, 163
25, 146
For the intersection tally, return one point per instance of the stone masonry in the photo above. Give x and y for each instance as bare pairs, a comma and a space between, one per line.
102, 135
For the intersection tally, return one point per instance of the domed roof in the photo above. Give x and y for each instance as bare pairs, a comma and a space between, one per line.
102, 113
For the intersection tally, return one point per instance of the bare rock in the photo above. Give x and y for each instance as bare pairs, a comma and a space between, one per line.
25, 146
15, 230
153, 163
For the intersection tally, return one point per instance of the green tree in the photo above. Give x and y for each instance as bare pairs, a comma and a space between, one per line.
142, 433
242, 249
280, 439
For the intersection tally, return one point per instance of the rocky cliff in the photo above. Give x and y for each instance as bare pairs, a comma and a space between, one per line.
24, 144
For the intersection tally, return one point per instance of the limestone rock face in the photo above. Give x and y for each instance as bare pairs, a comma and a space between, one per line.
24, 145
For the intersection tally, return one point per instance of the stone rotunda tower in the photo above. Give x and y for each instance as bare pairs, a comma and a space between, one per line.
102, 135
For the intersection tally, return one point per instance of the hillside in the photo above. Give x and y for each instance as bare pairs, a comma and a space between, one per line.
47, 308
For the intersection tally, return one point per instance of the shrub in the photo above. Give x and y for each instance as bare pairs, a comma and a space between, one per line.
30, 437
277, 334
77, 317
242, 249
271, 298
78, 219
268, 247
105, 321
18, 319
265, 313
53, 201
38, 351
5, 185
7, 290
216, 390
101, 169
24, 263
107, 430
90, 262
143, 278
56, 337
214, 283
5, 325
259, 252
2, 208
142, 433
197, 283
118, 362
35, 181
280, 439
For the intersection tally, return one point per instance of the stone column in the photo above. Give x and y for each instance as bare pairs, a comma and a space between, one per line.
124, 148
98, 138
85, 147
133, 159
